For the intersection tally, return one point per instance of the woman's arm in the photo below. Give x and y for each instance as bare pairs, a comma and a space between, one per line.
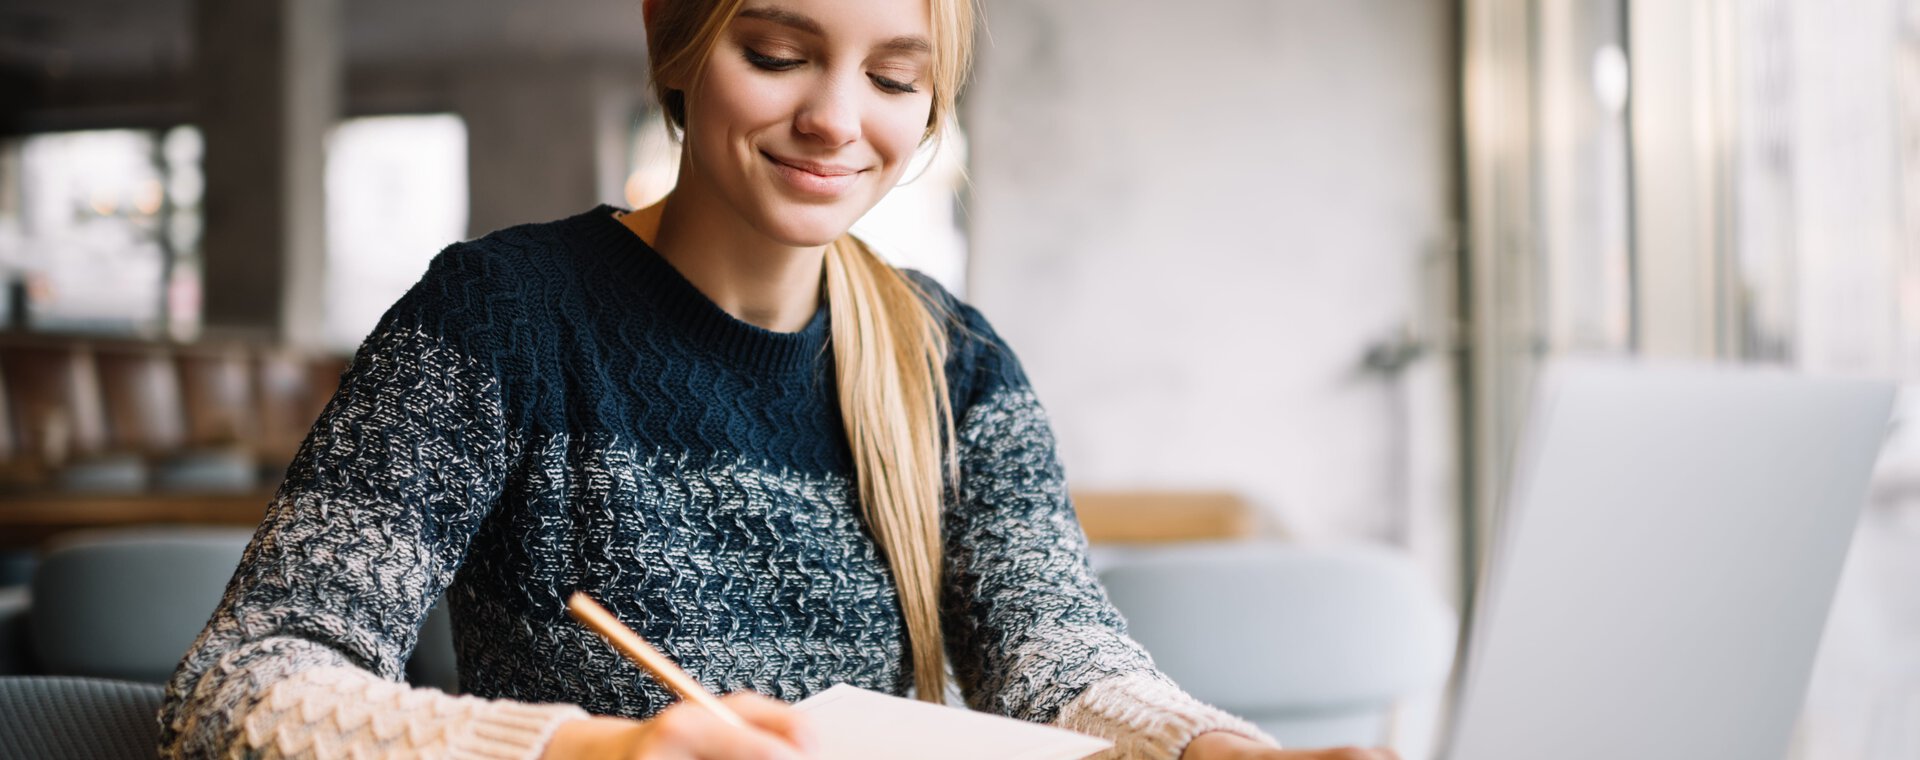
302, 654
1030, 632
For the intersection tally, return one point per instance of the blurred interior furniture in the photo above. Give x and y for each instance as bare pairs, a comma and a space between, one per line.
140, 388
1316, 645
62, 718
15, 655
30, 519
67, 399
433, 663
1150, 517
126, 603
101, 432
54, 405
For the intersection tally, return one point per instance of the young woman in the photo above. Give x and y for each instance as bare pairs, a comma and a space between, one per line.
784, 462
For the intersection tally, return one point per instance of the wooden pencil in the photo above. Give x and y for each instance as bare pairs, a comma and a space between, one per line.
596, 617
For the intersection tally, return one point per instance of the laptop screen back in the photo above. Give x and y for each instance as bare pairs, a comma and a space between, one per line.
1671, 549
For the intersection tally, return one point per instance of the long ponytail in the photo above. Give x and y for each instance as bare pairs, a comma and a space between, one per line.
889, 350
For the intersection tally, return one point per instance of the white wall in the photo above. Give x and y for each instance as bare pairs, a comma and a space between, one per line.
1192, 220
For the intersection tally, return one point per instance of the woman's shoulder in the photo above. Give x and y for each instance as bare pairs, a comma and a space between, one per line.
967, 328
979, 361
474, 293
509, 256
518, 267
943, 301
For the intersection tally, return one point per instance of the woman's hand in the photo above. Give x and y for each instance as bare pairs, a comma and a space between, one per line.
690, 732
1219, 745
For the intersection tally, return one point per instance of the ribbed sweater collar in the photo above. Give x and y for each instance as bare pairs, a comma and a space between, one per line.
675, 298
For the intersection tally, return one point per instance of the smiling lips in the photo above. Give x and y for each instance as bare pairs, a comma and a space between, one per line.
810, 178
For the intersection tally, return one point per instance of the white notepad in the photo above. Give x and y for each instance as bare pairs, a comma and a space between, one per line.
856, 724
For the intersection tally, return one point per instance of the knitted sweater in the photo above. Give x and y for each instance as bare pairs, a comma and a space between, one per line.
553, 408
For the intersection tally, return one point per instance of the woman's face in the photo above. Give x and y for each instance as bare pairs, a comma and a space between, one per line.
808, 112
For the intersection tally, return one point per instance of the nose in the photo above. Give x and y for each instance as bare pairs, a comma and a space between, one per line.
830, 114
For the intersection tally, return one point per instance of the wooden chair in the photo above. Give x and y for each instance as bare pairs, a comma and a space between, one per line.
291, 389
217, 392
141, 393
55, 410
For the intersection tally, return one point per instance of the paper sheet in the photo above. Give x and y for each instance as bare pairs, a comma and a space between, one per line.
856, 724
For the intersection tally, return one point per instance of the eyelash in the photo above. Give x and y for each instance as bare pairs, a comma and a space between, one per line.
770, 63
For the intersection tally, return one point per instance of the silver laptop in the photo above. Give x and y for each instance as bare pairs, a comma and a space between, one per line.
1669, 555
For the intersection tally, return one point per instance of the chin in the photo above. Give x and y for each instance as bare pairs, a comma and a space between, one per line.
807, 227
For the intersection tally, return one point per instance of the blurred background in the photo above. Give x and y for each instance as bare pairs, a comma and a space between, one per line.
1281, 270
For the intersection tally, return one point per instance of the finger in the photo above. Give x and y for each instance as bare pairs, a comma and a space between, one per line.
691, 731
775, 717
1356, 753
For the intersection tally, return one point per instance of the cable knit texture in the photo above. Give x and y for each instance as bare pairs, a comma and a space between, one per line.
342, 712
1148, 718
554, 408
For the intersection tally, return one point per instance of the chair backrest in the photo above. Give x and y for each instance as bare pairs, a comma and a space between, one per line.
1265, 629
126, 604
60, 718
53, 396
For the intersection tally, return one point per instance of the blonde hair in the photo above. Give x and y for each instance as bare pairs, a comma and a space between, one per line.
889, 340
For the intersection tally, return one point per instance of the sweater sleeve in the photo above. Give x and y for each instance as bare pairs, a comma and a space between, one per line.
1030, 631
302, 656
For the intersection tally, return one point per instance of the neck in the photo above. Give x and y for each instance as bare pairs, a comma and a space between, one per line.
758, 281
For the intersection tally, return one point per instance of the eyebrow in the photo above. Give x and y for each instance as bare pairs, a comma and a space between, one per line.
784, 17
905, 43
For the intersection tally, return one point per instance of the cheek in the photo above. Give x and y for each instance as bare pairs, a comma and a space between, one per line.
896, 130
733, 104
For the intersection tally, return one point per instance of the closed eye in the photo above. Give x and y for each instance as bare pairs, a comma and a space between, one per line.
893, 85
770, 63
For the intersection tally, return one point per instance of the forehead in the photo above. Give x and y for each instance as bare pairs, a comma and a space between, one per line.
869, 21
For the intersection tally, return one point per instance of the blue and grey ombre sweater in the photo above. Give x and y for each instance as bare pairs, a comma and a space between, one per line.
554, 408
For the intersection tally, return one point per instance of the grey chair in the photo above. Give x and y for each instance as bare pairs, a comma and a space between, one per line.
126, 604
16, 656
1316, 645
56, 718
